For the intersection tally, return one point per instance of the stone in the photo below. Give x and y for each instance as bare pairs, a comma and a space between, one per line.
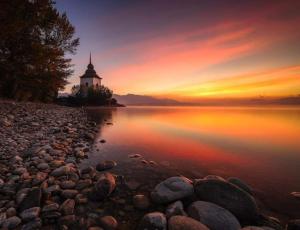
230, 197
43, 166
81, 199
153, 220
103, 187
293, 225
175, 209
53, 189
213, 216
108, 222
135, 155
172, 189
185, 223
69, 193
61, 171
95, 228
11, 223
33, 225
215, 177
105, 165
50, 207
29, 214
39, 178
141, 202
11, 212
68, 184
256, 228
67, 220
67, 207
296, 195
241, 184
32, 199
82, 184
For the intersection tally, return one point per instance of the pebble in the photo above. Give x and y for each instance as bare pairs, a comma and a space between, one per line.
108, 222
141, 202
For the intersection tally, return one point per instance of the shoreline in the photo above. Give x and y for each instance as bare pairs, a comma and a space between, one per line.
42, 185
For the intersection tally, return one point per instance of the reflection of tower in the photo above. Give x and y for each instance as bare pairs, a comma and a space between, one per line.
90, 78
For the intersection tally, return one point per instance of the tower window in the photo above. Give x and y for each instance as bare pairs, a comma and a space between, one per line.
86, 84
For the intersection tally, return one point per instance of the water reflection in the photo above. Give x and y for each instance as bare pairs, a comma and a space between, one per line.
259, 145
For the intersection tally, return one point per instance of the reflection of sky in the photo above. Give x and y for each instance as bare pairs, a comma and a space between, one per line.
190, 49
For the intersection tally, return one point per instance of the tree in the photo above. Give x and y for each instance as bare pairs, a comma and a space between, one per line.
34, 38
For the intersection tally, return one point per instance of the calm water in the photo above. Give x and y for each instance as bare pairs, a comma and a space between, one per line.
259, 145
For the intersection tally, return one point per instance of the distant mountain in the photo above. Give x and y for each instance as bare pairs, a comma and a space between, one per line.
133, 99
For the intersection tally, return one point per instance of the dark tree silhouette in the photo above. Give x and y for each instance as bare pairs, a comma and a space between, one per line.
34, 38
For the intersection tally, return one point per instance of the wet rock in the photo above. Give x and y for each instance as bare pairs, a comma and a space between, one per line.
67, 207
141, 202
11, 212
95, 228
102, 141
68, 184
43, 166
30, 214
82, 184
69, 193
153, 220
172, 189
185, 223
214, 177
33, 225
81, 199
11, 223
213, 216
241, 184
103, 187
108, 222
32, 199
39, 178
50, 207
105, 165
296, 195
293, 225
134, 155
53, 189
230, 197
175, 209
61, 171
67, 220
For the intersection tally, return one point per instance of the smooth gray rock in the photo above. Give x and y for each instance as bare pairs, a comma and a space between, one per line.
103, 187
172, 189
175, 209
11, 223
241, 184
230, 197
105, 165
61, 171
153, 220
185, 223
30, 214
213, 216
67, 207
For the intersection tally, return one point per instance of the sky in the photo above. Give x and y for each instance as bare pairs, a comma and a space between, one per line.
189, 50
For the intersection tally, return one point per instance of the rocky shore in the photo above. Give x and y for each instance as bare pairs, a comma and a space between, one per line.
42, 185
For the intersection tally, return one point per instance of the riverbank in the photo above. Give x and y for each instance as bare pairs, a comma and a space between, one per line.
44, 186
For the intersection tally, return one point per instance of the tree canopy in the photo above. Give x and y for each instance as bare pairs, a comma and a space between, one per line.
34, 38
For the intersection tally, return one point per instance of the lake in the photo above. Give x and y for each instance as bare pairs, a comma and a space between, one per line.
259, 145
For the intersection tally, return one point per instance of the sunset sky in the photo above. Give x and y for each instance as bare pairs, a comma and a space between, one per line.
189, 50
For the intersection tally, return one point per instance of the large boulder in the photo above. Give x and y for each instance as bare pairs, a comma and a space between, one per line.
230, 197
105, 185
185, 223
153, 220
172, 189
241, 184
213, 216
